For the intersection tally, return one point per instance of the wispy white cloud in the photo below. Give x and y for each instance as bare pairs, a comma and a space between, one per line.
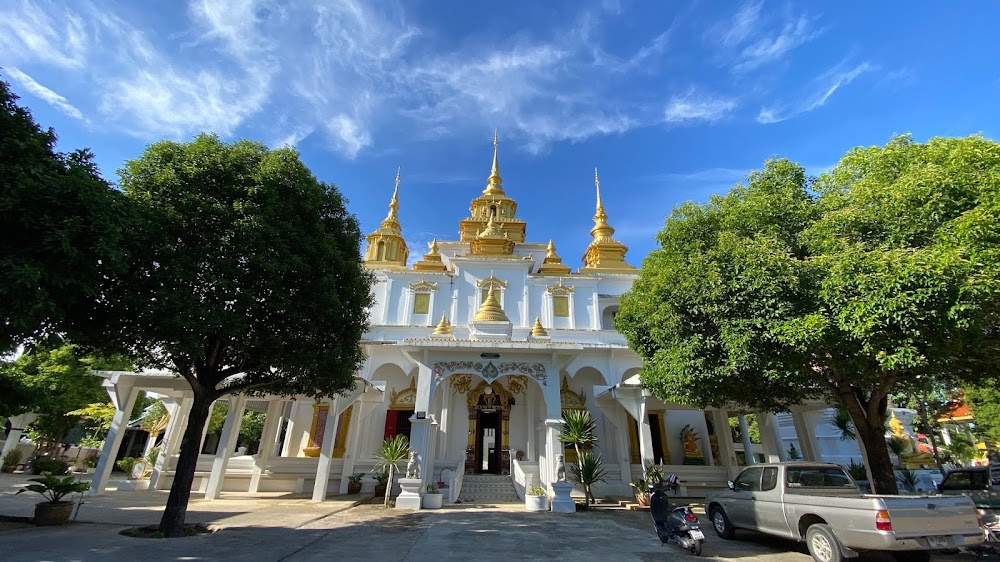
42, 31
696, 107
45, 94
750, 40
820, 90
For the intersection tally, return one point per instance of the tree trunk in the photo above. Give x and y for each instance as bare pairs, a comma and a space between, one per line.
579, 464
871, 436
172, 522
388, 488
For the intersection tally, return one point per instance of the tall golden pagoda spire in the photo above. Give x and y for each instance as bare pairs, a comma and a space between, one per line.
493, 203
604, 254
494, 185
386, 247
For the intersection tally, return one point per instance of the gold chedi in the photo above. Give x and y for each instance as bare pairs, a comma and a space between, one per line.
490, 310
386, 247
553, 265
432, 260
537, 331
444, 327
604, 254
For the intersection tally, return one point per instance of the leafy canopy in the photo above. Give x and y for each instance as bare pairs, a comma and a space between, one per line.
63, 230
248, 265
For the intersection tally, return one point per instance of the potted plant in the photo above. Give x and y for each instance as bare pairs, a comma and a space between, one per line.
54, 511
381, 480
11, 460
48, 465
641, 492
392, 452
535, 499
432, 498
127, 465
354, 483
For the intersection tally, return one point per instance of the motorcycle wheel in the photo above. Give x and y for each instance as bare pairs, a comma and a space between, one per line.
696, 548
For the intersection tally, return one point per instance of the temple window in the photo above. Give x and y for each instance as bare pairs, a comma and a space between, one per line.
560, 306
380, 251
493, 211
421, 303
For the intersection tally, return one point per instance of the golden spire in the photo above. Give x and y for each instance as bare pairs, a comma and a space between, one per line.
386, 247
444, 327
491, 230
490, 310
552, 264
604, 254
493, 184
432, 260
601, 227
537, 331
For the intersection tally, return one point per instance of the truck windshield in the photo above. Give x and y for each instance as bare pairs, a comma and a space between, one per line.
817, 477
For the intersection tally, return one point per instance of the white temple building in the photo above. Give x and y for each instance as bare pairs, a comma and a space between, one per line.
474, 353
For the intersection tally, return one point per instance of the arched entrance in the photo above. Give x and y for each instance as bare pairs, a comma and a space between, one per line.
488, 449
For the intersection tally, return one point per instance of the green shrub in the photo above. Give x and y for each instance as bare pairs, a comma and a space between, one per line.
44, 465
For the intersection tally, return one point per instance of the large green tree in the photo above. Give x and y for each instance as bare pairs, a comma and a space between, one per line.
985, 401
62, 227
785, 289
54, 380
249, 279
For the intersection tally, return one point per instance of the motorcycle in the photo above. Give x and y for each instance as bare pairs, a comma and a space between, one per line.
675, 523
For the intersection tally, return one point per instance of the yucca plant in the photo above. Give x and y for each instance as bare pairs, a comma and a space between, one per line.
841, 420
587, 472
909, 479
897, 445
392, 452
857, 470
578, 430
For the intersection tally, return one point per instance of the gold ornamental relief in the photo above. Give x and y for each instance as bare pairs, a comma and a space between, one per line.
404, 399
517, 383
461, 383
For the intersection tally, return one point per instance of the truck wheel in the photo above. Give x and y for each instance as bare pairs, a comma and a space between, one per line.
720, 521
822, 544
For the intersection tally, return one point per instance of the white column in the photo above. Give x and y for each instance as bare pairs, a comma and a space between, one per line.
724, 437
445, 398
645, 436
748, 452
272, 419
114, 438
350, 446
227, 442
945, 435
553, 447
290, 425
805, 435
17, 425
178, 411
532, 452
770, 437
322, 483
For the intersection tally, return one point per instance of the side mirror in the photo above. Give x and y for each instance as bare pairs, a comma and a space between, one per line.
731, 485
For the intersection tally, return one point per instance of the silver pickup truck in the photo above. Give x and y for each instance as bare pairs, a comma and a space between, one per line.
819, 503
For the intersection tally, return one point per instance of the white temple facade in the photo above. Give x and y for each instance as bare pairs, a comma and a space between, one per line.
474, 353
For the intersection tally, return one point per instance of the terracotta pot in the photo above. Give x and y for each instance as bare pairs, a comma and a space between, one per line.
380, 490
643, 499
53, 513
353, 488
8, 468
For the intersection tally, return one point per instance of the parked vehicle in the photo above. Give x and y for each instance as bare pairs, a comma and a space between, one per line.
674, 523
819, 503
975, 482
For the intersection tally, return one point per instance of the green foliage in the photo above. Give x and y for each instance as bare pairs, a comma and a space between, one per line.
588, 471
884, 269
898, 445
11, 459
393, 451
251, 429
45, 465
217, 418
963, 449
53, 488
909, 478
841, 420
60, 382
64, 229
857, 470
984, 398
153, 416
654, 473
356, 477
127, 464
152, 455
577, 429
734, 428
432, 489
793, 453
537, 490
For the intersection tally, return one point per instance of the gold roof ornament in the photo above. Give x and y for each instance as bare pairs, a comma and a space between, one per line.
537, 331
490, 310
432, 260
386, 247
493, 203
552, 264
604, 254
444, 327
492, 241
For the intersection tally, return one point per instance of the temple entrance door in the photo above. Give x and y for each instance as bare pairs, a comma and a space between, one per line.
487, 444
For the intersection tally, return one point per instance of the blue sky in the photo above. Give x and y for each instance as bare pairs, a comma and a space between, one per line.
672, 101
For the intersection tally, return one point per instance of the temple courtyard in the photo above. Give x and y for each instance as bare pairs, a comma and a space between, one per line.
291, 527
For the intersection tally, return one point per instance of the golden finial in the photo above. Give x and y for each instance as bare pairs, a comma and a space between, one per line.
444, 327
434, 247
393, 215
602, 230
550, 251
537, 330
493, 184
490, 310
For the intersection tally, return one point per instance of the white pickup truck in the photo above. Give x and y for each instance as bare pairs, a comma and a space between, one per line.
819, 503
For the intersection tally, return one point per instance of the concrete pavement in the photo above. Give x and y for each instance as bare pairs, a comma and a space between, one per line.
282, 527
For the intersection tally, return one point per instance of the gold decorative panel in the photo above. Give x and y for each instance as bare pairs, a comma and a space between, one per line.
560, 306
421, 303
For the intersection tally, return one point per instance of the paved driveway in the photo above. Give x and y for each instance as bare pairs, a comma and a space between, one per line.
369, 532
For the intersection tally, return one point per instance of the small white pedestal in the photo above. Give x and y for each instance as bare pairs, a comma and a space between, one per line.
562, 502
409, 497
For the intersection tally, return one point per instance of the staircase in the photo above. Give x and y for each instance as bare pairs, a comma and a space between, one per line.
488, 488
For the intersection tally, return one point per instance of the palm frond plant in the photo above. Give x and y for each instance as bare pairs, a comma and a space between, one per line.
392, 452
578, 430
841, 420
909, 479
857, 470
898, 445
654, 473
587, 472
